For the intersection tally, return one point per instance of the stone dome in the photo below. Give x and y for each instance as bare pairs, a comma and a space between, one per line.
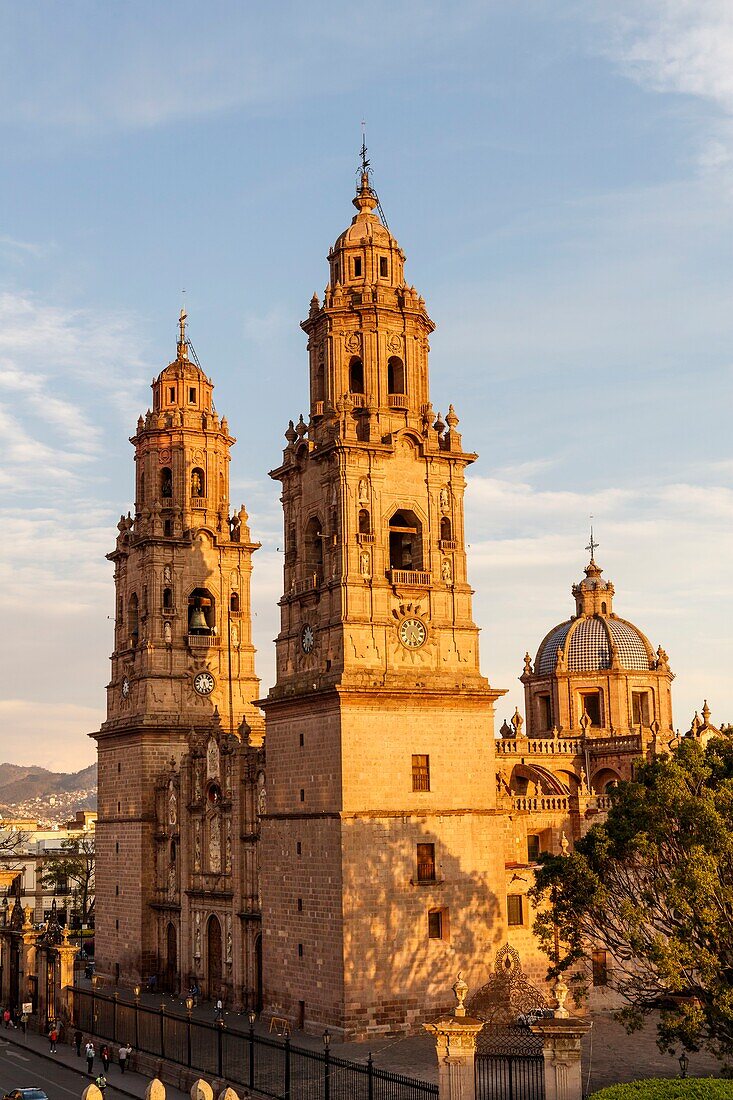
587, 646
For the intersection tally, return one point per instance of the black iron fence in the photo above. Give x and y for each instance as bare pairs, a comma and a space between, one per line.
272, 1067
509, 1065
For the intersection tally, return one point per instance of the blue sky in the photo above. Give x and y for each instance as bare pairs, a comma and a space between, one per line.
560, 176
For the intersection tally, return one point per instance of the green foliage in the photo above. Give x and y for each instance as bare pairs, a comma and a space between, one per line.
72, 872
653, 885
692, 1088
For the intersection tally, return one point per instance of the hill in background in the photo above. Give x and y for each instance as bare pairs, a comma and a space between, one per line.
45, 796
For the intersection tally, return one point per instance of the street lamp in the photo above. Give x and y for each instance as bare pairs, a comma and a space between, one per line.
189, 1010
136, 991
326, 1065
252, 1017
326, 1038
684, 1062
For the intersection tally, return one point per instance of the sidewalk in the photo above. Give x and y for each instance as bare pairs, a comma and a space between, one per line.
128, 1083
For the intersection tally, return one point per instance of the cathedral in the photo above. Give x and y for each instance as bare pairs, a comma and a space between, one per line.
335, 850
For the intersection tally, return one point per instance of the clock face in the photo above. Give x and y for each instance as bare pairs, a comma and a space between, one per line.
125, 688
412, 633
203, 683
307, 638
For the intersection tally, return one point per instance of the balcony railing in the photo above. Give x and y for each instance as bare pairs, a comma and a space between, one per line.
410, 578
307, 584
541, 802
397, 401
362, 538
358, 400
169, 612
535, 746
318, 408
198, 504
426, 872
447, 544
204, 641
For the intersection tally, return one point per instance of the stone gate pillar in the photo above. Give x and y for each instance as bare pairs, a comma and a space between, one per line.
561, 1039
455, 1046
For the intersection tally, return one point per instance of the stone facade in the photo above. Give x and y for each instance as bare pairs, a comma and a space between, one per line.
341, 869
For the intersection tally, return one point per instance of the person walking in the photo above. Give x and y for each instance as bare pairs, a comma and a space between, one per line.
125, 1052
6, 1017
78, 1038
105, 1058
52, 1037
89, 1052
101, 1083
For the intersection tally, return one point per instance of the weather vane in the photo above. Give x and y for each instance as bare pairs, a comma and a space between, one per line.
364, 160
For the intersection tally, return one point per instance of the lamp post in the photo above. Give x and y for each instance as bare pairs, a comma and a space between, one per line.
286, 1091
684, 1062
136, 991
189, 1010
252, 1017
327, 1065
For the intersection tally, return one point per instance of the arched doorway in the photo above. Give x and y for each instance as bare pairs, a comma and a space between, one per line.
213, 956
171, 958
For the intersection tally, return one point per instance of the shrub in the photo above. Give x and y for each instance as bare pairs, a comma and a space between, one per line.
691, 1088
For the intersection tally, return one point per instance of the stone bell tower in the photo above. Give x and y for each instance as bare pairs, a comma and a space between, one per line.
380, 849
183, 659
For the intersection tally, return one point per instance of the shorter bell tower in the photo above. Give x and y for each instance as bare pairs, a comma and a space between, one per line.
183, 659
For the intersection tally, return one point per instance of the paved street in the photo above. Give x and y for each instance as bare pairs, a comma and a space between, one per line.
26, 1062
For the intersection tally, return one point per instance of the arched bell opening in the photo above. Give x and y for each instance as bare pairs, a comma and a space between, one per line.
133, 619
365, 522
314, 548
198, 483
166, 483
167, 599
201, 612
446, 529
356, 375
395, 375
234, 602
405, 541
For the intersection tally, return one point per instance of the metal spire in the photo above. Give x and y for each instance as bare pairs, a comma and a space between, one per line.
592, 545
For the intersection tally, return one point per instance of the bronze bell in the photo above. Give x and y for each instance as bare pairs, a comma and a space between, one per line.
197, 620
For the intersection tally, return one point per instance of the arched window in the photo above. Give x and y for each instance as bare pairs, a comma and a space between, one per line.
405, 541
201, 612
365, 523
446, 532
142, 487
234, 601
395, 375
198, 482
166, 483
314, 548
167, 598
356, 375
133, 619
319, 393
603, 608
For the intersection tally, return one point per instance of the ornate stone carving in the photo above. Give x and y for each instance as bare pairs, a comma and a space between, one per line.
215, 844
212, 759
352, 342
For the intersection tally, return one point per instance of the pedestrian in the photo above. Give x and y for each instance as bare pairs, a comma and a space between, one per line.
105, 1058
125, 1052
52, 1037
101, 1083
78, 1038
89, 1052
6, 1017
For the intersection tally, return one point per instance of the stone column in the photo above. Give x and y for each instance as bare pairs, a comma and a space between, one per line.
455, 1045
561, 1039
66, 953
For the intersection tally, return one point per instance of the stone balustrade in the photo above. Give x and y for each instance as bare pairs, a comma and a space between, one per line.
535, 746
540, 802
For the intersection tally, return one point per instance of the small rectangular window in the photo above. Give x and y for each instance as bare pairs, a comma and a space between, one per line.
420, 773
514, 910
300, 950
298, 849
545, 705
302, 795
336, 273
533, 848
383, 267
435, 924
302, 740
357, 266
300, 905
591, 705
640, 708
600, 968
426, 863
192, 395
172, 393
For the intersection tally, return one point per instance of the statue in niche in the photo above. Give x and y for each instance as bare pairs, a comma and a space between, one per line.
446, 571
167, 633
197, 846
363, 491
215, 844
235, 635
197, 782
167, 486
365, 563
197, 937
212, 759
167, 574
444, 499
172, 878
262, 799
172, 804
228, 849
197, 485
229, 939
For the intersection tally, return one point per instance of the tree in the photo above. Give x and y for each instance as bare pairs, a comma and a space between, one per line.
71, 871
12, 847
653, 886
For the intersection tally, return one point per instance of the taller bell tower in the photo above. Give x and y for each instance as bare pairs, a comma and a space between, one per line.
183, 659
381, 851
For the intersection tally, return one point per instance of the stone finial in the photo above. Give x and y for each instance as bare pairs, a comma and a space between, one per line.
662, 658
705, 712
584, 722
527, 664
561, 995
564, 844
517, 722
155, 1090
201, 1090
439, 425
451, 418
290, 433
314, 306
460, 989
301, 427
